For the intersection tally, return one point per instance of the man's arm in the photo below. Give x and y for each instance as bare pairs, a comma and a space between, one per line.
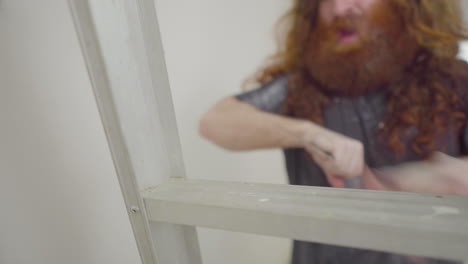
235, 125
442, 174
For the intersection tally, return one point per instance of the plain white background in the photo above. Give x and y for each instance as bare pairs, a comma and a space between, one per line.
60, 200
59, 196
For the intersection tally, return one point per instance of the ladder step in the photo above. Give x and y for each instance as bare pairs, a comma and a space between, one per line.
407, 223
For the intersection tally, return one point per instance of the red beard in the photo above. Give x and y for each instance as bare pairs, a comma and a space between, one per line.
379, 56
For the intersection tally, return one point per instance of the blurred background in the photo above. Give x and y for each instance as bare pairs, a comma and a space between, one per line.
59, 195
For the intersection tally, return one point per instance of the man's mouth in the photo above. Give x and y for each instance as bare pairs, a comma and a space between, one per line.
346, 36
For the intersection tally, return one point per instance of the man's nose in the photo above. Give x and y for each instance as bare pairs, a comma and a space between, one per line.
343, 7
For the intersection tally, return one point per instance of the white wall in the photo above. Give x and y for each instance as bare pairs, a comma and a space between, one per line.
211, 46
463, 54
59, 197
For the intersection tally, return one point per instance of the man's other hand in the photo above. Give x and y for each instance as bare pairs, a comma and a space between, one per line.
340, 157
440, 175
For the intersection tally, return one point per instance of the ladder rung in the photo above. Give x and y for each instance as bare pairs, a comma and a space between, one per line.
407, 223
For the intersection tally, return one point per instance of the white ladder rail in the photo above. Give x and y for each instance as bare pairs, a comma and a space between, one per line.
125, 62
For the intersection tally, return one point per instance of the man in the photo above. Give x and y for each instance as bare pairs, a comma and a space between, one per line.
364, 94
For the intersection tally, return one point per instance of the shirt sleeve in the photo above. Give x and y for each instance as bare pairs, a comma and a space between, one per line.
269, 97
461, 85
464, 143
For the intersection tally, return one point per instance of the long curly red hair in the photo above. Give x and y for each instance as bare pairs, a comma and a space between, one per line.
430, 99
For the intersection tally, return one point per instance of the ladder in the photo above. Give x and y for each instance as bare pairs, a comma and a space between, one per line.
122, 48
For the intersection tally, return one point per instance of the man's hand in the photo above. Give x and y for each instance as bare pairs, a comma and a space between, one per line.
440, 175
340, 157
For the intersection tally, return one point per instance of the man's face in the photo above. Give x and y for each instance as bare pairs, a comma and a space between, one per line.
347, 22
331, 9
358, 46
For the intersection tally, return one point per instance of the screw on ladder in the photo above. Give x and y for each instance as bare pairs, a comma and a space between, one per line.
134, 209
